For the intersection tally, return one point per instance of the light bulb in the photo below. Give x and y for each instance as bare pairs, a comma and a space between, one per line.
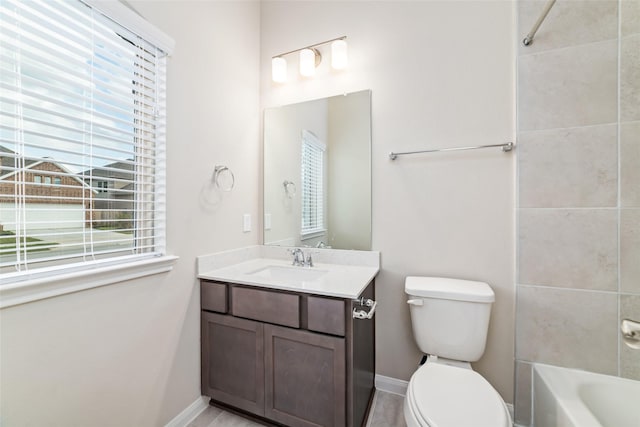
279, 70
307, 62
339, 58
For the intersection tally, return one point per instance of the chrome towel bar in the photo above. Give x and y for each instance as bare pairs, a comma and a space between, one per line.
508, 146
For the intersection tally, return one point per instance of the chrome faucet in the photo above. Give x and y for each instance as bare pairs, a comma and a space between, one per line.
300, 259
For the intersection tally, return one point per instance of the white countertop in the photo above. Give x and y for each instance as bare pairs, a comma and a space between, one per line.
344, 274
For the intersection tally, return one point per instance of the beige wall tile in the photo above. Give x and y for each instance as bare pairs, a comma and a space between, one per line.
630, 164
563, 327
522, 405
576, 86
576, 167
630, 17
568, 158
629, 357
569, 23
630, 78
630, 250
569, 248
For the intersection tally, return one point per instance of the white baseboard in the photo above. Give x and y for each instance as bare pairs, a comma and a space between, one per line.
189, 413
391, 385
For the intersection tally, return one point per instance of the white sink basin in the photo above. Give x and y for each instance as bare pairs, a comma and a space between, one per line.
279, 272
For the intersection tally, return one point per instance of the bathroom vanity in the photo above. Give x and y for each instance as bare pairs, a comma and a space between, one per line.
291, 345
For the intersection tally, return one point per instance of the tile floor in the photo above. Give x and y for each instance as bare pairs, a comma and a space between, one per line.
386, 412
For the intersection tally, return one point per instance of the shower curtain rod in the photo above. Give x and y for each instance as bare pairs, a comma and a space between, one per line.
529, 38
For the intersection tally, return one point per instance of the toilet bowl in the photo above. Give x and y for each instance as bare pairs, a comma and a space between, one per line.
449, 396
450, 320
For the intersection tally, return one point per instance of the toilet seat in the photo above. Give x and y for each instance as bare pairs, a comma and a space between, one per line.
448, 396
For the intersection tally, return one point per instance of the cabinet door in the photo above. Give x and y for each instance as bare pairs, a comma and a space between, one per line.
233, 361
305, 378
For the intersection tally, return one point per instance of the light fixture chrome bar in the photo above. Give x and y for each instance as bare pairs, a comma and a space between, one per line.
529, 37
309, 47
505, 147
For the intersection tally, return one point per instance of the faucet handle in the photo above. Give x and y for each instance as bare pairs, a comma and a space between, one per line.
298, 256
308, 261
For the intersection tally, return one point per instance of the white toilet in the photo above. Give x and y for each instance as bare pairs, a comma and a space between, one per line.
450, 320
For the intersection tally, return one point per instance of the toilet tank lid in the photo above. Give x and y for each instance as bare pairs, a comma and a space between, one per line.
446, 288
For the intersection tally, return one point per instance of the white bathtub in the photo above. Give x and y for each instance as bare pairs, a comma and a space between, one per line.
570, 398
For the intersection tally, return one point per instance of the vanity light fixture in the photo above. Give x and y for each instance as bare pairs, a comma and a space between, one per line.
310, 58
339, 59
279, 69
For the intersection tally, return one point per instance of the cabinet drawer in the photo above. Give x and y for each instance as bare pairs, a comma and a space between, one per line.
326, 315
213, 296
266, 306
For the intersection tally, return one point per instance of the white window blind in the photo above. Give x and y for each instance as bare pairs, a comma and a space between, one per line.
82, 134
312, 183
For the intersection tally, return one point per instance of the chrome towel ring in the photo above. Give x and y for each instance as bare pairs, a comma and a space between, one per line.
289, 188
223, 178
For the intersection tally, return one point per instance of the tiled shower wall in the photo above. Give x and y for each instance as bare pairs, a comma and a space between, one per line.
578, 189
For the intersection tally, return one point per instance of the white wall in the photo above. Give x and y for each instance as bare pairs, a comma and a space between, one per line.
129, 354
441, 74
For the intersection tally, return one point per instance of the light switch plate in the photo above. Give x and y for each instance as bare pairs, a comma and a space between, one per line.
267, 221
246, 223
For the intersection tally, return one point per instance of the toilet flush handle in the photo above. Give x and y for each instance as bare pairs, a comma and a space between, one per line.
415, 302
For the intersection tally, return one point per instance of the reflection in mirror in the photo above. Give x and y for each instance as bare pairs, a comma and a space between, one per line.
317, 173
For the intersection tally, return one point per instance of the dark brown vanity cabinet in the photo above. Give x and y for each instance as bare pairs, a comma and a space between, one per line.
305, 376
233, 361
286, 357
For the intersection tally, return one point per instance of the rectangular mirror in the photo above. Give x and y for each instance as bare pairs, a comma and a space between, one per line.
317, 173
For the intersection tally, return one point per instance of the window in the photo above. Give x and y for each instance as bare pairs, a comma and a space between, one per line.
102, 186
312, 184
82, 98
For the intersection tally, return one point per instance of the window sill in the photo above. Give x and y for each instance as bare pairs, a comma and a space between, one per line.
46, 287
313, 234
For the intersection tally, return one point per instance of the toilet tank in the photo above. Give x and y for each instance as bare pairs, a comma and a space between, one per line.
450, 317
